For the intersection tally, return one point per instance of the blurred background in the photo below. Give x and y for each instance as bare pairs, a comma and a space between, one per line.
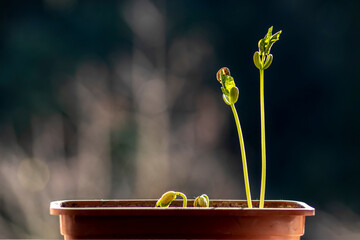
118, 99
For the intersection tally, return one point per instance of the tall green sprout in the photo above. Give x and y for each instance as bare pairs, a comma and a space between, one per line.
230, 96
263, 60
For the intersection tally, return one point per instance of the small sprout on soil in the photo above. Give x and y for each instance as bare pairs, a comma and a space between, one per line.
168, 197
202, 201
230, 97
263, 60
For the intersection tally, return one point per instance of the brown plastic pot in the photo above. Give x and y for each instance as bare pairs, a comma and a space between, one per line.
138, 219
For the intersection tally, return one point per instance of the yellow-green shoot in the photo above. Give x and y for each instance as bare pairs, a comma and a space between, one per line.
263, 60
230, 96
202, 201
167, 198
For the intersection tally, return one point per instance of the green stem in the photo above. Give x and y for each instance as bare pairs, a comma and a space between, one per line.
184, 198
243, 156
263, 148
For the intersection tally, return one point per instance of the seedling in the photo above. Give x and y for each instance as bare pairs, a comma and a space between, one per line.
167, 198
230, 96
202, 201
263, 60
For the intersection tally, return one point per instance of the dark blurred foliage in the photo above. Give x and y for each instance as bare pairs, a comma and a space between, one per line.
311, 89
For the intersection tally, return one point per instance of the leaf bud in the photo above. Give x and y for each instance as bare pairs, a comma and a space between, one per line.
166, 199
202, 201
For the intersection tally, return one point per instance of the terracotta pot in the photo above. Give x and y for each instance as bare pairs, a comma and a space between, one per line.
113, 219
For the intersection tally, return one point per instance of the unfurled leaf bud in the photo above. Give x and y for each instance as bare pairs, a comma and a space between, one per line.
202, 201
268, 41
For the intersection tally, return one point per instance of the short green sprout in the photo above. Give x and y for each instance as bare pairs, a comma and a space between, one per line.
230, 97
262, 60
202, 201
167, 198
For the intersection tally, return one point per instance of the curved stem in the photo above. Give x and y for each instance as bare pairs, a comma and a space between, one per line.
184, 198
243, 156
263, 148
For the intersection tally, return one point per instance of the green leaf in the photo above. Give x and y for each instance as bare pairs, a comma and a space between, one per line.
268, 61
223, 91
226, 100
268, 41
261, 45
234, 95
272, 40
228, 83
256, 59
269, 33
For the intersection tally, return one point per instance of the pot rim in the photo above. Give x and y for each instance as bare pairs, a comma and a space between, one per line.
133, 207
